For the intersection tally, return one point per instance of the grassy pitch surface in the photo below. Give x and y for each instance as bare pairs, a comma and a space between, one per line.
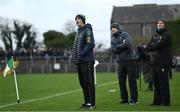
62, 92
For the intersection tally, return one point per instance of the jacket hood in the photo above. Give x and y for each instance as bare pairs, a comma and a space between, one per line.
88, 25
117, 33
161, 31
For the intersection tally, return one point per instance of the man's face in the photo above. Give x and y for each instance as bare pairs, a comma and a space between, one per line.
114, 30
79, 22
160, 25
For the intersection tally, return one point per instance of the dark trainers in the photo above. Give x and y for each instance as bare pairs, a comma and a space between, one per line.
124, 101
133, 102
166, 104
89, 106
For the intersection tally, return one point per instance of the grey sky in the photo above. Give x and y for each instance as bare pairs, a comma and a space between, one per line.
52, 14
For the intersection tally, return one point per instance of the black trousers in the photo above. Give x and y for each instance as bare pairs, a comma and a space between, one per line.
127, 68
86, 79
161, 85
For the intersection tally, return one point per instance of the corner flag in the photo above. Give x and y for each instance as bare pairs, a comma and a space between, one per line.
9, 66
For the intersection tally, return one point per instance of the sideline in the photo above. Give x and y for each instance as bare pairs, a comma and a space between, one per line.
52, 96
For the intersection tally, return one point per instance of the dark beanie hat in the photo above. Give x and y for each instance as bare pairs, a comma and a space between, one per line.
82, 17
115, 25
163, 20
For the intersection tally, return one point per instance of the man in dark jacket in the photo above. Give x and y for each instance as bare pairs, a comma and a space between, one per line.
145, 66
160, 47
83, 57
121, 45
147, 72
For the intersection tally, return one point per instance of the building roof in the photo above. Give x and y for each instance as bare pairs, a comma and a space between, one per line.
144, 13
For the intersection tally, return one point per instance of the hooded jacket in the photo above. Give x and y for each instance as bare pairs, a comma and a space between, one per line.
121, 45
83, 45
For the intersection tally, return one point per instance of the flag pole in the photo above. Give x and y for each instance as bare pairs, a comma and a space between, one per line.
95, 80
95, 65
16, 85
17, 91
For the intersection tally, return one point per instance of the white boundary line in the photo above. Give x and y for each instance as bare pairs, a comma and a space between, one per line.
60, 94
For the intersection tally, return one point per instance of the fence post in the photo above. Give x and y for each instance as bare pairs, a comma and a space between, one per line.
66, 68
50, 68
42, 68
108, 67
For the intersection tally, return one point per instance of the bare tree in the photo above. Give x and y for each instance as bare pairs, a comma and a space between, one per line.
6, 33
24, 35
70, 27
29, 42
19, 33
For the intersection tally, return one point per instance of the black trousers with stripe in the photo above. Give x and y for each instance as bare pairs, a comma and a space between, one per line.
161, 85
86, 79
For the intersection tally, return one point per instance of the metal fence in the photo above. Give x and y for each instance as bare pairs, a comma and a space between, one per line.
58, 64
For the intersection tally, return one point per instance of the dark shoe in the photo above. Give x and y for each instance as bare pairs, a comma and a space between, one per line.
124, 101
89, 106
133, 102
166, 104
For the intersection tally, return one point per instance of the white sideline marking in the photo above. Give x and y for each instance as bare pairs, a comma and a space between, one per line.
60, 94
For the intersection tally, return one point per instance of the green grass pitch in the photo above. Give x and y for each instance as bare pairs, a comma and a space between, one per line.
62, 92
